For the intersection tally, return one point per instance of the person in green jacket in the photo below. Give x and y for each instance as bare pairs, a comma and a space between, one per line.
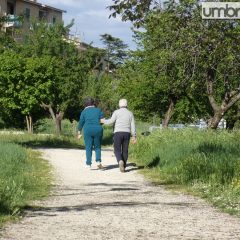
92, 130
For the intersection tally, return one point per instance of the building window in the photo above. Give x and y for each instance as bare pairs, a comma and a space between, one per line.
42, 15
54, 20
27, 13
10, 8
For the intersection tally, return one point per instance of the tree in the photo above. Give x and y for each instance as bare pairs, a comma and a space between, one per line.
44, 71
116, 51
190, 58
71, 70
135, 11
25, 82
220, 65
168, 70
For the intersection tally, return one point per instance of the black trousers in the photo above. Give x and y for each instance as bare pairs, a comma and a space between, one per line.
121, 142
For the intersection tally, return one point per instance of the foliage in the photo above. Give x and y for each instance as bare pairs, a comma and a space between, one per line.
104, 90
25, 81
116, 51
71, 69
133, 10
45, 68
182, 69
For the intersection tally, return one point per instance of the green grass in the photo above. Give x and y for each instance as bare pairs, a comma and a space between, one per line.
47, 126
206, 162
24, 177
37, 140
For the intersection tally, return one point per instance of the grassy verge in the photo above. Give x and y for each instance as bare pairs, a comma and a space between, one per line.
206, 163
24, 177
42, 140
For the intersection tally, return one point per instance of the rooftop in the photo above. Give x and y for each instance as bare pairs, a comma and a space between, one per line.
44, 6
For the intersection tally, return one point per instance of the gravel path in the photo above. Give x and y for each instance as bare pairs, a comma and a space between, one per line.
106, 204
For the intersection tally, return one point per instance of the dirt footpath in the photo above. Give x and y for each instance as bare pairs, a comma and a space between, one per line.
106, 204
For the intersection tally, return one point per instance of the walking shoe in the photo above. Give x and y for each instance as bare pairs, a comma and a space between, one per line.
88, 166
100, 166
121, 166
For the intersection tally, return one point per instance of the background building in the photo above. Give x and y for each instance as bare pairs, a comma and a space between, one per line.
20, 12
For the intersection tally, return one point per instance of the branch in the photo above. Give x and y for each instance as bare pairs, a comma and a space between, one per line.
233, 100
210, 91
49, 107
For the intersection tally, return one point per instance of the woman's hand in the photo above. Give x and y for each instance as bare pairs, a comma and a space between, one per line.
79, 135
102, 120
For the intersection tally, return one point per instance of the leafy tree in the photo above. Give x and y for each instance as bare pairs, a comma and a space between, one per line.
70, 72
134, 10
190, 58
219, 66
167, 69
25, 82
115, 51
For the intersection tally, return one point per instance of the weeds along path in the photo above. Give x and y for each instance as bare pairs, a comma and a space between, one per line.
106, 204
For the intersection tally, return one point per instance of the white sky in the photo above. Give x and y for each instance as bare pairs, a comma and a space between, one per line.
91, 20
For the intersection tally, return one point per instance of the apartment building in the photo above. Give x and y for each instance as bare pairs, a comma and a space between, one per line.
19, 13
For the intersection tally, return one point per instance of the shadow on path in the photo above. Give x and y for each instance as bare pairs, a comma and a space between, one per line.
130, 167
52, 211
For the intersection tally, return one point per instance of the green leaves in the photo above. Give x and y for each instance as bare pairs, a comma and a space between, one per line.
25, 82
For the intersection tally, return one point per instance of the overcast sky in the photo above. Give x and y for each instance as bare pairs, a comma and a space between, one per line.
91, 20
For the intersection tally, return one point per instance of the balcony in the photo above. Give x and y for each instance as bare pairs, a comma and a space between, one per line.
12, 21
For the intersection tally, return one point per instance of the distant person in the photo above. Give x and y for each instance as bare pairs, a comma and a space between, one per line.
90, 123
124, 127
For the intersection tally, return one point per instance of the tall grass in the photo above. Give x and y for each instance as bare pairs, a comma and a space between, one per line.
206, 161
47, 126
23, 177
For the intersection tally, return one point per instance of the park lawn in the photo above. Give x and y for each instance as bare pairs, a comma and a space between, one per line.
204, 163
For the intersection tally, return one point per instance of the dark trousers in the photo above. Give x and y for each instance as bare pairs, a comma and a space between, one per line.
121, 142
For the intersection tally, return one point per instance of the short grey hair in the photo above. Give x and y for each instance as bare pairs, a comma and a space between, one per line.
123, 103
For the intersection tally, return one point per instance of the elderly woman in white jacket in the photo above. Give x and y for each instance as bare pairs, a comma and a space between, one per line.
124, 127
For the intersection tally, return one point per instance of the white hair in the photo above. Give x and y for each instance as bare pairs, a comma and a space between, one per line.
122, 103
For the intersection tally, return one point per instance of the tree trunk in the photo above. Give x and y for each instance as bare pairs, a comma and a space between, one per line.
215, 120
168, 114
57, 119
230, 98
29, 124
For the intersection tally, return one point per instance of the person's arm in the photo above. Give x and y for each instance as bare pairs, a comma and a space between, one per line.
101, 116
112, 120
133, 130
81, 123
